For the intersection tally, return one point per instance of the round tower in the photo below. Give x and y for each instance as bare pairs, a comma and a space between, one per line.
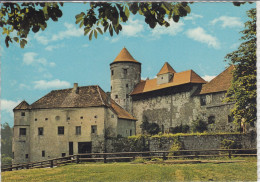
125, 75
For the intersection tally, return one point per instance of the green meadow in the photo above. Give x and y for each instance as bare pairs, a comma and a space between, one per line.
240, 171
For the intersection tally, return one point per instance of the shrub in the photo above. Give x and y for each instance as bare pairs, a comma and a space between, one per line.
199, 126
176, 145
139, 160
156, 159
150, 128
180, 129
229, 144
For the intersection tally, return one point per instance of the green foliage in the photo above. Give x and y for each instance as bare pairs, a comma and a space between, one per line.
150, 128
5, 160
229, 144
176, 145
180, 129
156, 159
199, 126
139, 160
6, 140
243, 86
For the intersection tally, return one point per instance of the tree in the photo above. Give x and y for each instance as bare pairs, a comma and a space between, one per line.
243, 86
17, 20
6, 143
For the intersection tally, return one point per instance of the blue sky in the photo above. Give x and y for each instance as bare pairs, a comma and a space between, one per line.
61, 55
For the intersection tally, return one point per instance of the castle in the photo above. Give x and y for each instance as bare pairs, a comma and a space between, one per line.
78, 119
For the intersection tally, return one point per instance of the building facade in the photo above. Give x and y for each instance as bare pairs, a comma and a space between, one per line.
79, 119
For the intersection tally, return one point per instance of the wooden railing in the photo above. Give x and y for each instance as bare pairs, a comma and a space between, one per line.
128, 156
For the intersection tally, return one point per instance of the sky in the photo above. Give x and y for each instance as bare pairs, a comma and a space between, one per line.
61, 55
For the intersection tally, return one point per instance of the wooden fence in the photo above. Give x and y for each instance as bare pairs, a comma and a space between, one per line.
128, 156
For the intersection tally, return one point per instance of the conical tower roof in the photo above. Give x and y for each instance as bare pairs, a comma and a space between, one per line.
124, 56
166, 69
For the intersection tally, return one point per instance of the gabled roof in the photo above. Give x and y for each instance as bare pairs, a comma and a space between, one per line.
166, 69
22, 106
124, 56
87, 96
220, 83
179, 79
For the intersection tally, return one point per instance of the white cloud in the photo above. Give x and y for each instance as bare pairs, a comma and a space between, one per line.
8, 105
43, 84
41, 39
200, 35
192, 16
228, 22
47, 75
133, 28
30, 58
208, 78
23, 86
52, 47
85, 45
172, 30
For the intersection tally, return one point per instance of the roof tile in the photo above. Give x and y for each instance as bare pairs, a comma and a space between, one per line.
124, 55
166, 69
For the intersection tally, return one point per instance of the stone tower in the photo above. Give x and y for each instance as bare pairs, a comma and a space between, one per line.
125, 74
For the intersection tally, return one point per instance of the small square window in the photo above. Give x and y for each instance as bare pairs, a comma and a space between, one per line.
60, 130
63, 154
81, 117
230, 118
26, 156
116, 96
94, 129
162, 77
112, 115
127, 96
43, 153
68, 118
203, 100
211, 119
35, 119
95, 116
125, 71
78, 130
22, 113
40, 131
22, 131
46, 119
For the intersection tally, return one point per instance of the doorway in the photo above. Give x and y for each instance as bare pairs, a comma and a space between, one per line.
84, 147
70, 148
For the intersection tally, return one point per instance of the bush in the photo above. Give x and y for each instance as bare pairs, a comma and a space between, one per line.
179, 129
176, 145
156, 159
199, 126
229, 144
139, 160
150, 128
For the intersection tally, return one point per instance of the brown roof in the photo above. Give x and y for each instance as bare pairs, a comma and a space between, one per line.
220, 83
88, 96
124, 56
179, 79
22, 106
166, 69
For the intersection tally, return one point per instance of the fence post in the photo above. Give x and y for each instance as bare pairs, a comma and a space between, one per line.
164, 156
229, 154
51, 163
77, 158
105, 158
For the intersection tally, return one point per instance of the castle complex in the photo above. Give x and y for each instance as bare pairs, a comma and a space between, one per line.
79, 119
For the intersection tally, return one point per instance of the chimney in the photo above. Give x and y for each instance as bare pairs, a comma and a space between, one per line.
108, 97
75, 88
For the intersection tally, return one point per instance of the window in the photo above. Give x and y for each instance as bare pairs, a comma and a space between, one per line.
78, 130
126, 85
81, 117
162, 77
40, 131
111, 88
26, 156
68, 118
60, 130
63, 154
43, 153
46, 119
95, 116
230, 118
57, 118
112, 72
112, 116
22, 113
35, 119
22, 131
116, 96
130, 132
125, 71
13, 155
203, 100
211, 119
94, 129
127, 95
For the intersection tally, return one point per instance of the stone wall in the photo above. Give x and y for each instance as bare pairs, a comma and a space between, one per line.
193, 142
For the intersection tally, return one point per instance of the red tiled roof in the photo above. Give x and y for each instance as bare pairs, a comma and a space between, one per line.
178, 79
220, 83
22, 106
166, 69
124, 56
88, 96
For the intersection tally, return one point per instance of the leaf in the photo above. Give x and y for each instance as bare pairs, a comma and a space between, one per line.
127, 12
105, 28
16, 39
95, 33
99, 30
187, 8
111, 30
90, 35
22, 43
86, 30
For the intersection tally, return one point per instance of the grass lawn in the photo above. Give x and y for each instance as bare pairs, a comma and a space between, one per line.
242, 171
